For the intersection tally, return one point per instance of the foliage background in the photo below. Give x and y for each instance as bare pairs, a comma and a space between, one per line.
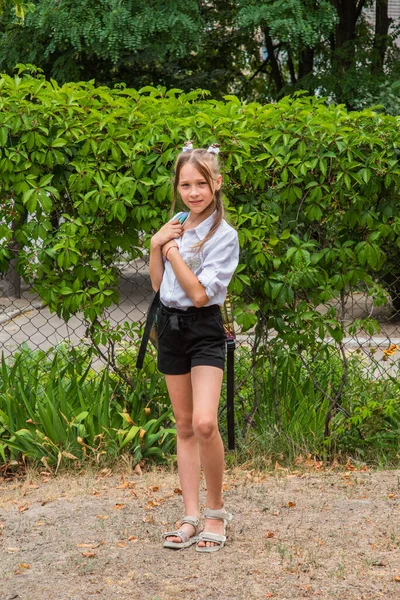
256, 50
312, 188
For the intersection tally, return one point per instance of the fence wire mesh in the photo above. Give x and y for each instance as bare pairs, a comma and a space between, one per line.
25, 321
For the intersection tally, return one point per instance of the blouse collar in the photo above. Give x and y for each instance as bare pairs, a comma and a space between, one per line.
204, 227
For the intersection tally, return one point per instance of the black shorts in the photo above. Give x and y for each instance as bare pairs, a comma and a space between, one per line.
190, 338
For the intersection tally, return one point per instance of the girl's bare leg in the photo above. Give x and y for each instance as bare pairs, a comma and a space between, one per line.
180, 393
206, 391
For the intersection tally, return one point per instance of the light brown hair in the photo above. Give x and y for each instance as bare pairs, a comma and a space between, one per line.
207, 164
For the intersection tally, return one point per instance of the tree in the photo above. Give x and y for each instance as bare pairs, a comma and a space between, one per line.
258, 49
381, 36
292, 33
187, 44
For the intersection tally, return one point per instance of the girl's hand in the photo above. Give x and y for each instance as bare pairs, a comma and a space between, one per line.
167, 246
169, 231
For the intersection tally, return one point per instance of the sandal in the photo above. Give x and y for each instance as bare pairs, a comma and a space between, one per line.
205, 536
186, 540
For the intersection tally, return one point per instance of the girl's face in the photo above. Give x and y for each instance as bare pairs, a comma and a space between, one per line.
194, 189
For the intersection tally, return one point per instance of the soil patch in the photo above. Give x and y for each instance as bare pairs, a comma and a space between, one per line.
294, 536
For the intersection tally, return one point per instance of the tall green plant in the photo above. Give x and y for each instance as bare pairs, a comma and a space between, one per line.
56, 412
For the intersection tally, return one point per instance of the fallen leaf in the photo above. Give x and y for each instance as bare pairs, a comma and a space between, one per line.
126, 485
91, 545
121, 544
155, 488
270, 534
349, 466
152, 503
95, 492
392, 495
132, 538
102, 517
397, 578
138, 470
119, 506
39, 524
122, 486
88, 554
23, 508
291, 504
24, 566
178, 491
13, 549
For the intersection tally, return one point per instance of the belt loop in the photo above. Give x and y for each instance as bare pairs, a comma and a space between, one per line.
173, 319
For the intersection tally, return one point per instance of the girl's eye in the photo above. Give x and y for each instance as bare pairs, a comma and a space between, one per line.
184, 185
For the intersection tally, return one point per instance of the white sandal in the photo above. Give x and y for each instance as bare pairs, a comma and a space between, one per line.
186, 540
216, 538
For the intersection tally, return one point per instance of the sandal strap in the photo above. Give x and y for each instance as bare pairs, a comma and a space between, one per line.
194, 521
221, 514
180, 533
206, 536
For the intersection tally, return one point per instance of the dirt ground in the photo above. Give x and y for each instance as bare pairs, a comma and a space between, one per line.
296, 536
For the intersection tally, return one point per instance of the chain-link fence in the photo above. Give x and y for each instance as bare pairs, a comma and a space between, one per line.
26, 321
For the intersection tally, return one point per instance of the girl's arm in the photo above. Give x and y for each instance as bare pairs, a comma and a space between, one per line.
185, 276
167, 233
156, 267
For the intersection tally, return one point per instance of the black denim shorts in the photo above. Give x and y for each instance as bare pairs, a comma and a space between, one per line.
190, 338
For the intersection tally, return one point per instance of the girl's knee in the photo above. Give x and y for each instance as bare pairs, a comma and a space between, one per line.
184, 429
205, 428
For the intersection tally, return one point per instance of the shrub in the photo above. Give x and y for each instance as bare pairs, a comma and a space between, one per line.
312, 188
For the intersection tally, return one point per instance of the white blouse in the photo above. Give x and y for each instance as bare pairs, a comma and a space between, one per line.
214, 265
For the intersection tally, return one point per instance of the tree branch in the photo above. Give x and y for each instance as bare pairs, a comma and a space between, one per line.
276, 73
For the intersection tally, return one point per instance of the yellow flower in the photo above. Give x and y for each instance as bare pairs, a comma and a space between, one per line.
391, 350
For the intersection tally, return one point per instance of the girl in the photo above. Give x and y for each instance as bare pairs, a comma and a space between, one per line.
192, 264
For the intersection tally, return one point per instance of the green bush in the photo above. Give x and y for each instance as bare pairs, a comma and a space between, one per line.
312, 188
